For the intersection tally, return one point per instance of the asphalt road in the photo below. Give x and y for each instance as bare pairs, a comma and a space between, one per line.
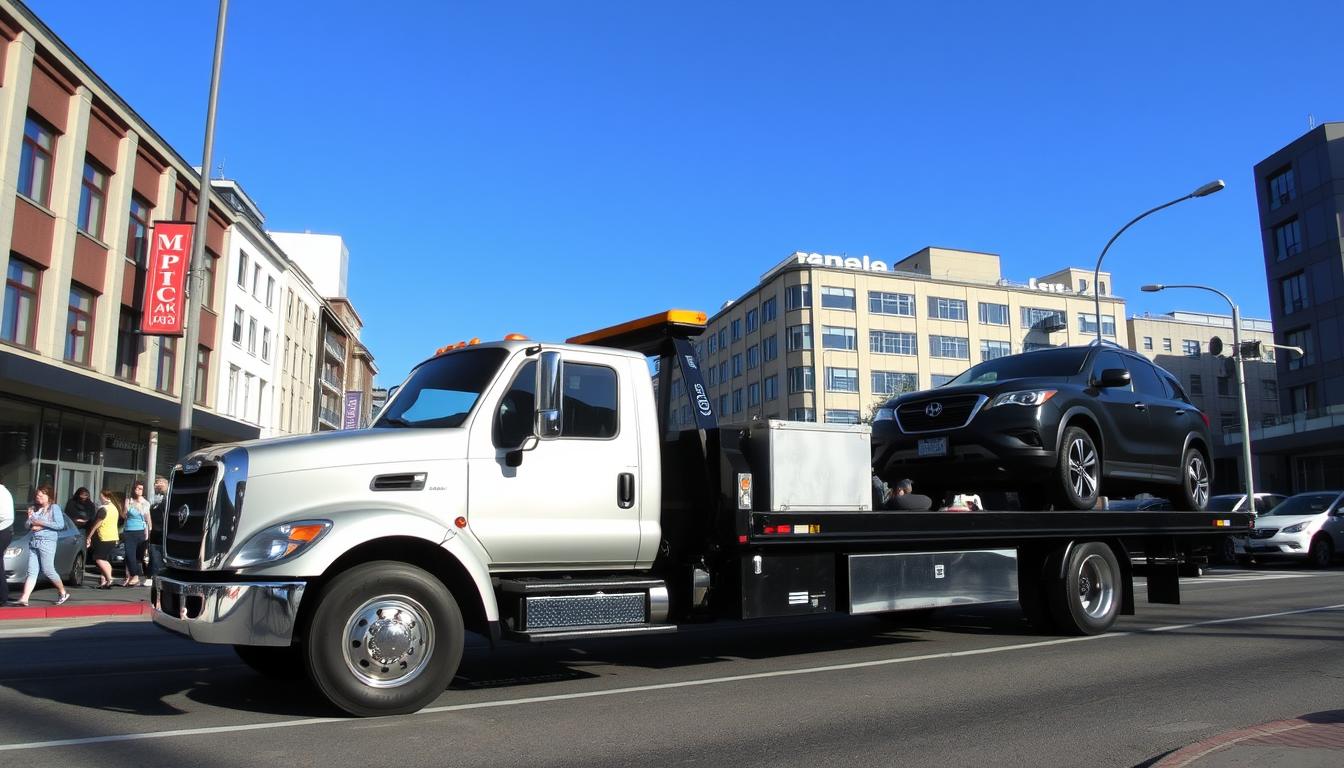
971, 687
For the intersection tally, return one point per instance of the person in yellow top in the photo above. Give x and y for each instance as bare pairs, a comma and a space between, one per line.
102, 537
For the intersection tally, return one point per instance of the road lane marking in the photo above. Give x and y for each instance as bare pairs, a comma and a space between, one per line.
222, 729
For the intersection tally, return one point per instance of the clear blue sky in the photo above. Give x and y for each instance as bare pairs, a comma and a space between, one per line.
550, 168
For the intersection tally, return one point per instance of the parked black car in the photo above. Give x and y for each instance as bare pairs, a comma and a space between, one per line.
1059, 426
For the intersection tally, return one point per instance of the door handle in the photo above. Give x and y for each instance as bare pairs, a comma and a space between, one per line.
1180, 411
1141, 406
625, 490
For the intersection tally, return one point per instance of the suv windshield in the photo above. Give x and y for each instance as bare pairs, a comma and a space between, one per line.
441, 392
1303, 504
1066, 361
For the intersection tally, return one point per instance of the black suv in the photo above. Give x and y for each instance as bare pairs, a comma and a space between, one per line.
1059, 426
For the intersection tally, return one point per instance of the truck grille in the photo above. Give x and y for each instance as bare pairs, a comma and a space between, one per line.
937, 413
1264, 533
184, 534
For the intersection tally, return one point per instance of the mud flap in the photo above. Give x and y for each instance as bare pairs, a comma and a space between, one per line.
1163, 569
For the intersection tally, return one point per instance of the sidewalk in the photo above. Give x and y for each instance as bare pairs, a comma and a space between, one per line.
84, 601
1310, 741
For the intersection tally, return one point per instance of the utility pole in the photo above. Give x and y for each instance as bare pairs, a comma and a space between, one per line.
198, 238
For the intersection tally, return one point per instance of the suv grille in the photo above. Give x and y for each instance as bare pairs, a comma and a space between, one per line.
185, 536
950, 412
1264, 533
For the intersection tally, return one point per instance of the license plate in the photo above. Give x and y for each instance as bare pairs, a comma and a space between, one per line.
933, 446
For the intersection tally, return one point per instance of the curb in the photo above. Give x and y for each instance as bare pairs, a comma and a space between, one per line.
1274, 732
18, 613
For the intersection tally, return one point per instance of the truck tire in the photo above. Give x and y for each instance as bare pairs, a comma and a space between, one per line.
273, 662
386, 639
1078, 474
1086, 599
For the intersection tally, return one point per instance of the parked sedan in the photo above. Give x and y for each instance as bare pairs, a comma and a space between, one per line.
1309, 526
70, 554
1236, 502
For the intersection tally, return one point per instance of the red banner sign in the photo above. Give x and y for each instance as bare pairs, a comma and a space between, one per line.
165, 297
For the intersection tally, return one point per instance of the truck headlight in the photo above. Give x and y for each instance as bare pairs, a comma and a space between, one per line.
279, 542
1297, 527
884, 414
1024, 397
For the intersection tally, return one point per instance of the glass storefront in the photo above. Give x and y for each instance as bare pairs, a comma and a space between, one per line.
69, 449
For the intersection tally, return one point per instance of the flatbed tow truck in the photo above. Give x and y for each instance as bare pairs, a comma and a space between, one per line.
553, 492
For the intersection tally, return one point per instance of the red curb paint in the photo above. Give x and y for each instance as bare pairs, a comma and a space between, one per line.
1280, 732
73, 611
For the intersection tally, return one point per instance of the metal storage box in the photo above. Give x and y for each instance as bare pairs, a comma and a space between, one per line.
806, 466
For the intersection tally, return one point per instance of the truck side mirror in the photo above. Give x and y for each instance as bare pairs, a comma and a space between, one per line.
1114, 377
546, 420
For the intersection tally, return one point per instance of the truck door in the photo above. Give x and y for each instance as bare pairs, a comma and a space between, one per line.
573, 500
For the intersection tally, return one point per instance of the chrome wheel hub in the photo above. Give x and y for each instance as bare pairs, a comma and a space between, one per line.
1096, 592
1082, 468
388, 641
1197, 475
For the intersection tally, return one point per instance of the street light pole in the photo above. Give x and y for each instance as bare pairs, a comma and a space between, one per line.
1204, 191
1241, 385
193, 331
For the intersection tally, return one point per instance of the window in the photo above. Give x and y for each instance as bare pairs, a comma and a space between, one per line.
252, 336
19, 324
238, 326
270, 290
709, 375
893, 383
1101, 287
884, 303
1293, 288
800, 379
266, 344
1269, 389
588, 404
753, 320
939, 379
1147, 342
1082, 285
137, 233
1302, 399
35, 161
128, 343
233, 391
737, 365
837, 298
1287, 240
892, 343
842, 379
1229, 422
723, 404
955, 347
242, 269
1196, 384
839, 416
163, 375
800, 337
947, 309
1299, 338
768, 310
802, 414
256, 280
723, 372
753, 395
1282, 188
1044, 319
1145, 379
990, 350
1087, 323
1190, 347
993, 314
769, 348
723, 339
798, 296
771, 387
79, 325
1166, 345
1224, 386
203, 375
753, 357
838, 337
736, 325
208, 281
713, 343
92, 200
737, 400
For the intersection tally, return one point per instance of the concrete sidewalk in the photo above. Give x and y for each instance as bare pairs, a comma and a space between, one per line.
1310, 741
83, 602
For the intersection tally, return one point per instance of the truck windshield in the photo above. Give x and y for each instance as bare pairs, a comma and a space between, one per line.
441, 392
1066, 361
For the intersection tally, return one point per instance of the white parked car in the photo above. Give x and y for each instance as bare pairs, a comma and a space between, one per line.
1308, 526
1236, 502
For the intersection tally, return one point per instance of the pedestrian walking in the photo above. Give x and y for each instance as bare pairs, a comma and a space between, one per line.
101, 539
44, 520
158, 514
80, 509
135, 535
6, 535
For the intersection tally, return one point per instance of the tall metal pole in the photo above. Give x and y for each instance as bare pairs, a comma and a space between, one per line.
1241, 402
198, 239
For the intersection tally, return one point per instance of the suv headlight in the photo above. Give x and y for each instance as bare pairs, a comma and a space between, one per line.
1297, 527
279, 542
1024, 397
884, 414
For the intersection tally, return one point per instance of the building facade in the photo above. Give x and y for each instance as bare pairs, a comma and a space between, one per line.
298, 361
828, 338
1300, 192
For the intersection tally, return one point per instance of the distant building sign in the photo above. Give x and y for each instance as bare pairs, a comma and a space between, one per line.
352, 402
165, 297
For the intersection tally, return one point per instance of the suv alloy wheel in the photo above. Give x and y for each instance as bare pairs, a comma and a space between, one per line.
1079, 471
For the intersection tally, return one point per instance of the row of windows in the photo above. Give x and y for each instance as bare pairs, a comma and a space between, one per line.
1269, 388
256, 280
238, 316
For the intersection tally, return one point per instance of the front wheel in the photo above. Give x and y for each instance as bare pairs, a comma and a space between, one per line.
386, 639
1322, 552
1087, 600
1078, 474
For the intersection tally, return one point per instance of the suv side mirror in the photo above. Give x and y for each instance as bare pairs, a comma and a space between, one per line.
546, 419
1113, 377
